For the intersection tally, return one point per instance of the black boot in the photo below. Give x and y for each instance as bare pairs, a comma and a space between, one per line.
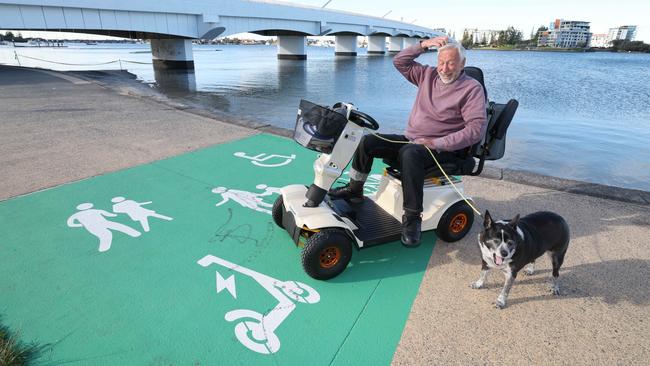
352, 192
411, 229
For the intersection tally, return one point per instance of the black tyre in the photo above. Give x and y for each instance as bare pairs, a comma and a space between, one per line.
456, 222
277, 211
327, 254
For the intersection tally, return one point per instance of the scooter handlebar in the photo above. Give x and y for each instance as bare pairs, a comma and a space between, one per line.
363, 120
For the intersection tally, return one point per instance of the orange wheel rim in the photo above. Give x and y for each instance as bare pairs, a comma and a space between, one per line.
458, 223
329, 257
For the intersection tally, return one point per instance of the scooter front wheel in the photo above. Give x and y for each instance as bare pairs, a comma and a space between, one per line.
327, 254
277, 211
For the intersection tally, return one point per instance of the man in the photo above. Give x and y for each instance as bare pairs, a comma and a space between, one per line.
448, 116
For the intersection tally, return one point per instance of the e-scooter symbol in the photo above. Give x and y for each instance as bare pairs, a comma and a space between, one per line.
256, 331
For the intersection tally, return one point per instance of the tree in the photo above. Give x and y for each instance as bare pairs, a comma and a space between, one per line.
512, 36
634, 46
9, 36
467, 41
535, 38
494, 38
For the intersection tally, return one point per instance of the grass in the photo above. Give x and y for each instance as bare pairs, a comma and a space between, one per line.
13, 352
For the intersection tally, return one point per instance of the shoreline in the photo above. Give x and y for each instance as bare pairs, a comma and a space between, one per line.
125, 83
552, 50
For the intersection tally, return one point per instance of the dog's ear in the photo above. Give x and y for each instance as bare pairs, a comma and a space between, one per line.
514, 221
487, 220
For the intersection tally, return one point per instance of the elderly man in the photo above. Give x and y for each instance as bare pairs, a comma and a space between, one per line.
448, 116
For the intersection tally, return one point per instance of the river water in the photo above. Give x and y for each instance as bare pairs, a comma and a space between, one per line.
583, 116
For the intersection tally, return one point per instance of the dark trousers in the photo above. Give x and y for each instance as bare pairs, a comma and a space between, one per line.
414, 159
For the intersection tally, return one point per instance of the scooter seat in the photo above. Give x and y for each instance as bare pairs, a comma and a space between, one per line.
457, 167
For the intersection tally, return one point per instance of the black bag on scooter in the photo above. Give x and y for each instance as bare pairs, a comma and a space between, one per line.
318, 127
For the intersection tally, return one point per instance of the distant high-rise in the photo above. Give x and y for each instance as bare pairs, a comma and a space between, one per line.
599, 40
626, 32
565, 34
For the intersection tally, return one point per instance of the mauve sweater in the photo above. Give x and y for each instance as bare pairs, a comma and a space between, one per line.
449, 117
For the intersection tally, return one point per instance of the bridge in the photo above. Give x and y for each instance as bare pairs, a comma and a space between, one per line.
171, 25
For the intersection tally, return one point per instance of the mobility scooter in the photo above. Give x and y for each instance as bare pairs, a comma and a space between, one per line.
329, 228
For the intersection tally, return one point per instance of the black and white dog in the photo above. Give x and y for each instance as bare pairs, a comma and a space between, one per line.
511, 245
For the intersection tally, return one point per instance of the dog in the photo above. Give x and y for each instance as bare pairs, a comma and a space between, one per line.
512, 245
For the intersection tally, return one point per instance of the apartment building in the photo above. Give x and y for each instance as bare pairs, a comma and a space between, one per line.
599, 40
565, 34
626, 32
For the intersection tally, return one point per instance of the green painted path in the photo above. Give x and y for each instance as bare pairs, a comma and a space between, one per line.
107, 271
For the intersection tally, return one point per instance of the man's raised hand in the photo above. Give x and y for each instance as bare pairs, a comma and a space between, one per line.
434, 42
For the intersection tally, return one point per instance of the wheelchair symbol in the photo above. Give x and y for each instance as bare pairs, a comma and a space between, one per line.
260, 159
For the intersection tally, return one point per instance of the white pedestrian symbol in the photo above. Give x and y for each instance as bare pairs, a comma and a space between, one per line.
136, 212
255, 330
94, 221
251, 200
261, 159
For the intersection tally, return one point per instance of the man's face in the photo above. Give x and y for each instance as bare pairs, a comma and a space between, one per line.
449, 65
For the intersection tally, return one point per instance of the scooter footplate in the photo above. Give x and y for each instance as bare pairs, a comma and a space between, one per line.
375, 226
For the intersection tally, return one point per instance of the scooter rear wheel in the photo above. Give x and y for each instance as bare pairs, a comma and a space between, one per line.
456, 222
327, 254
277, 211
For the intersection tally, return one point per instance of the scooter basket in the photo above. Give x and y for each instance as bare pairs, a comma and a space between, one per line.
318, 127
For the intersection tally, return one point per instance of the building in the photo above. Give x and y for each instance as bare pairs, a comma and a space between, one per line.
565, 34
626, 32
599, 40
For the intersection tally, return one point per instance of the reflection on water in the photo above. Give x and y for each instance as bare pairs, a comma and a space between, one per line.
175, 82
345, 66
291, 76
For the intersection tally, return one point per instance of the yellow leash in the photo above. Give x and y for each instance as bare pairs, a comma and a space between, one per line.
439, 167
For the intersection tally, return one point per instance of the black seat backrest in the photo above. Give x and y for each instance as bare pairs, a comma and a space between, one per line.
477, 74
493, 145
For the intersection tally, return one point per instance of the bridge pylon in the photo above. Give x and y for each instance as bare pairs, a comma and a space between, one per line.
172, 54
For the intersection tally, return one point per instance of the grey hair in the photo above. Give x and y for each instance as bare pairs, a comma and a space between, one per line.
456, 46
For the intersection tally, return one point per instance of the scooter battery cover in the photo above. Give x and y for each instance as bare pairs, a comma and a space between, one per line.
319, 127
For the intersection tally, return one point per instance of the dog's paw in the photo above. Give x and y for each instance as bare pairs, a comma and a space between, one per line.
555, 290
476, 285
500, 304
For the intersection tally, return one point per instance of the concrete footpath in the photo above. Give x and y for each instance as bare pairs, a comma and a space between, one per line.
57, 128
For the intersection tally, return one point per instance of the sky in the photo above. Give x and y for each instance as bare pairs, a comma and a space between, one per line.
455, 16
499, 14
